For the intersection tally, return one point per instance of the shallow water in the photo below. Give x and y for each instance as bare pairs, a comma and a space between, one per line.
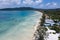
18, 25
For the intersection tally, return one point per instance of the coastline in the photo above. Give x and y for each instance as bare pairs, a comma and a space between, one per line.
38, 21
36, 27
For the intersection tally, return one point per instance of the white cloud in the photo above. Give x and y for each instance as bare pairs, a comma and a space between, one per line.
4, 3
32, 2
54, 3
38, 1
8, 2
48, 4
27, 2
19, 1
51, 4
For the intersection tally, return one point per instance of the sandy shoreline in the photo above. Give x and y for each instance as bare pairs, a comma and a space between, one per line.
38, 21
37, 24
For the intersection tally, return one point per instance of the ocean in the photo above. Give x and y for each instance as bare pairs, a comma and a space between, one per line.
18, 25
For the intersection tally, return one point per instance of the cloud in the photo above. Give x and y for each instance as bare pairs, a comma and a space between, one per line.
48, 4
12, 3
51, 5
19, 1
38, 1
9, 3
31, 2
27, 2
54, 3
5, 2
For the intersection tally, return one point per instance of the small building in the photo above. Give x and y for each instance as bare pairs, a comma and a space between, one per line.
49, 22
58, 23
51, 31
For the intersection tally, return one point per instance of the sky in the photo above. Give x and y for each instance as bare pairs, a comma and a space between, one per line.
44, 4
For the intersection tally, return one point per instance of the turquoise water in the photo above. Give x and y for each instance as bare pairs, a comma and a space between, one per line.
17, 25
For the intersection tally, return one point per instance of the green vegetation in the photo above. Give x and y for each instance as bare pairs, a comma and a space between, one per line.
56, 28
54, 14
59, 38
42, 20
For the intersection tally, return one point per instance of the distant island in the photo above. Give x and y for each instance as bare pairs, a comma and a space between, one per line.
26, 8
20, 8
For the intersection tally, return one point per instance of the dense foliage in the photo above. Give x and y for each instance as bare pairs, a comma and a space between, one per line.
56, 28
54, 14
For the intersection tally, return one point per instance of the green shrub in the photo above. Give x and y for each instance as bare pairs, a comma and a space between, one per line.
59, 38
57, 29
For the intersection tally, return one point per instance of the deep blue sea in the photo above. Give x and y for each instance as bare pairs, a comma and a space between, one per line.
18, 25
